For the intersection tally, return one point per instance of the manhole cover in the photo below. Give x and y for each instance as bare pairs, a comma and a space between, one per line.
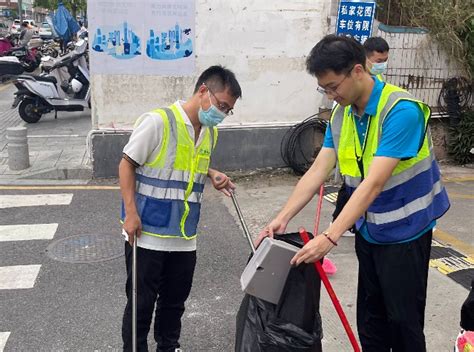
87, 248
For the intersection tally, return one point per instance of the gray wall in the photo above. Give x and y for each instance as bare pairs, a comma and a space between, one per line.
238, 149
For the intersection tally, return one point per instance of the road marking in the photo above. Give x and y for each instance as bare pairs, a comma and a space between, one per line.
460, 196
3, 340
27, 232
18, 276
19, 188
446, 238
331, 197
3, 87
56, 136
14, 201
450, 262
458, 179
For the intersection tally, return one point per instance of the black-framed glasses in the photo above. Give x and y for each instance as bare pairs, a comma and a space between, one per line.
334, 89
224, 107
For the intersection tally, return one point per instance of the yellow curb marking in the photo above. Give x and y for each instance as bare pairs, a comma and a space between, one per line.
452, 263
442, 267
460, 196
455, 243
458, 179
448, 265
59, 187
3, 87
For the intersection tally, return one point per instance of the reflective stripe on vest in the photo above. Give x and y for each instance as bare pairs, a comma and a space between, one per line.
169, 189
413, 196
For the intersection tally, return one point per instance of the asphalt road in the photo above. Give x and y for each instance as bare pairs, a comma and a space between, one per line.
78, 307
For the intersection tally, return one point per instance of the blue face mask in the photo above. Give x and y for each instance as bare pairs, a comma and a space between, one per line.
212, 116
378, 68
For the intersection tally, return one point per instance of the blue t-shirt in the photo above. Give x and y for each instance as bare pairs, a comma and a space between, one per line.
403, 131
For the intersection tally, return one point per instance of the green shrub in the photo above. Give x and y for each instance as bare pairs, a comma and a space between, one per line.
461, 139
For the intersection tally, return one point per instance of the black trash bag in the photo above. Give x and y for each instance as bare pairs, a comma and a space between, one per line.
467, 311
294, 324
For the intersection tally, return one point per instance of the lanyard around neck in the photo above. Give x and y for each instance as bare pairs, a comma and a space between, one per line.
357, 146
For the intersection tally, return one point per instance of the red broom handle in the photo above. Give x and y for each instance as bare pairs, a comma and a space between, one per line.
318, 210
337, 305
332, 295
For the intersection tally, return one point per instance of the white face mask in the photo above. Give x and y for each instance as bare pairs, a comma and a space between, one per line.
378, 68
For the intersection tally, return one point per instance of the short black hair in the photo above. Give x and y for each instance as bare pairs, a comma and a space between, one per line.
219, 78
335, 53
24, 24
377, 44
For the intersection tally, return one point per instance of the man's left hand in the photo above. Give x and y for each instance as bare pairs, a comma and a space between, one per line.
222, 182
312, 251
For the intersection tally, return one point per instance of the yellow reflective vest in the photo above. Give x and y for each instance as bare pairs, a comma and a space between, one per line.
169, 189
413, 196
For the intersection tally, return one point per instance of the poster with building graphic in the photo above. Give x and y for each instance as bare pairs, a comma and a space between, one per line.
147, 37
170, 39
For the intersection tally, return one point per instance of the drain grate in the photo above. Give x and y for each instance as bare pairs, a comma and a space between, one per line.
86, 248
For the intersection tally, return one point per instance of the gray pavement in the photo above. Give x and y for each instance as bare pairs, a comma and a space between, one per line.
78, 307
57, 147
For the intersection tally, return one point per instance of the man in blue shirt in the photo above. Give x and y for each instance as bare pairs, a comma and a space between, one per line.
376, 51
378, 135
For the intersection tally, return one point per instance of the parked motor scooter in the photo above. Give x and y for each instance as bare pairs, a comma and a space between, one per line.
10, 66
28, 57
50, 48
63, 86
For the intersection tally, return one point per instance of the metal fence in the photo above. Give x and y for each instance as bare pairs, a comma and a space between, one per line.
417, 64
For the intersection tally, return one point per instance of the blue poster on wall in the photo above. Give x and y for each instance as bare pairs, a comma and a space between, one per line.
355, 19
147, 37
121, 41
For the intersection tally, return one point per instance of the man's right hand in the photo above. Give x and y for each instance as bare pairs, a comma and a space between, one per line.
275, 226
132, 225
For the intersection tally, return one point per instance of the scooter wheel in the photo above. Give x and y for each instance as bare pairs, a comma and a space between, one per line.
27, 110
30, 67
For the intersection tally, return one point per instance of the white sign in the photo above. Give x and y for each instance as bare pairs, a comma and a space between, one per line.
148, 37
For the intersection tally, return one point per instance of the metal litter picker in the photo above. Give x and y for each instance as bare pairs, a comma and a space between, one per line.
134, 294
242, 222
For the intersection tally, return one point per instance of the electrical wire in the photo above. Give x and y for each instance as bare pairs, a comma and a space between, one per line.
455, 97
297, 146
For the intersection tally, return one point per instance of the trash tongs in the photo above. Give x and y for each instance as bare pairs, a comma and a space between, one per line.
134, 294
242, 221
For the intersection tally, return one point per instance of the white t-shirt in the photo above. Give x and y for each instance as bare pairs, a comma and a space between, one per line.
144, 146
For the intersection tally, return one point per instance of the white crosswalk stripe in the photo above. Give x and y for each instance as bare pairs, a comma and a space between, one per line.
3, 340
18, 276
10, 233
14, 201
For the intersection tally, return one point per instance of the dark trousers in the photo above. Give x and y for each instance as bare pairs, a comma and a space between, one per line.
342, 199
164, 280
391, 294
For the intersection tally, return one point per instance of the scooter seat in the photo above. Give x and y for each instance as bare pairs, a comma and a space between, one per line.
45, 79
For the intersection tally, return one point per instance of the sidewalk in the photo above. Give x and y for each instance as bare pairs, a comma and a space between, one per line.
57, 147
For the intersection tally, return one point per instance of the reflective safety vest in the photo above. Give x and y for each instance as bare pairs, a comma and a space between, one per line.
413, 196
169, 189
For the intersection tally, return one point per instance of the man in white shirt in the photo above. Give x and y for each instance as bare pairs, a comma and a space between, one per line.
162, 175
